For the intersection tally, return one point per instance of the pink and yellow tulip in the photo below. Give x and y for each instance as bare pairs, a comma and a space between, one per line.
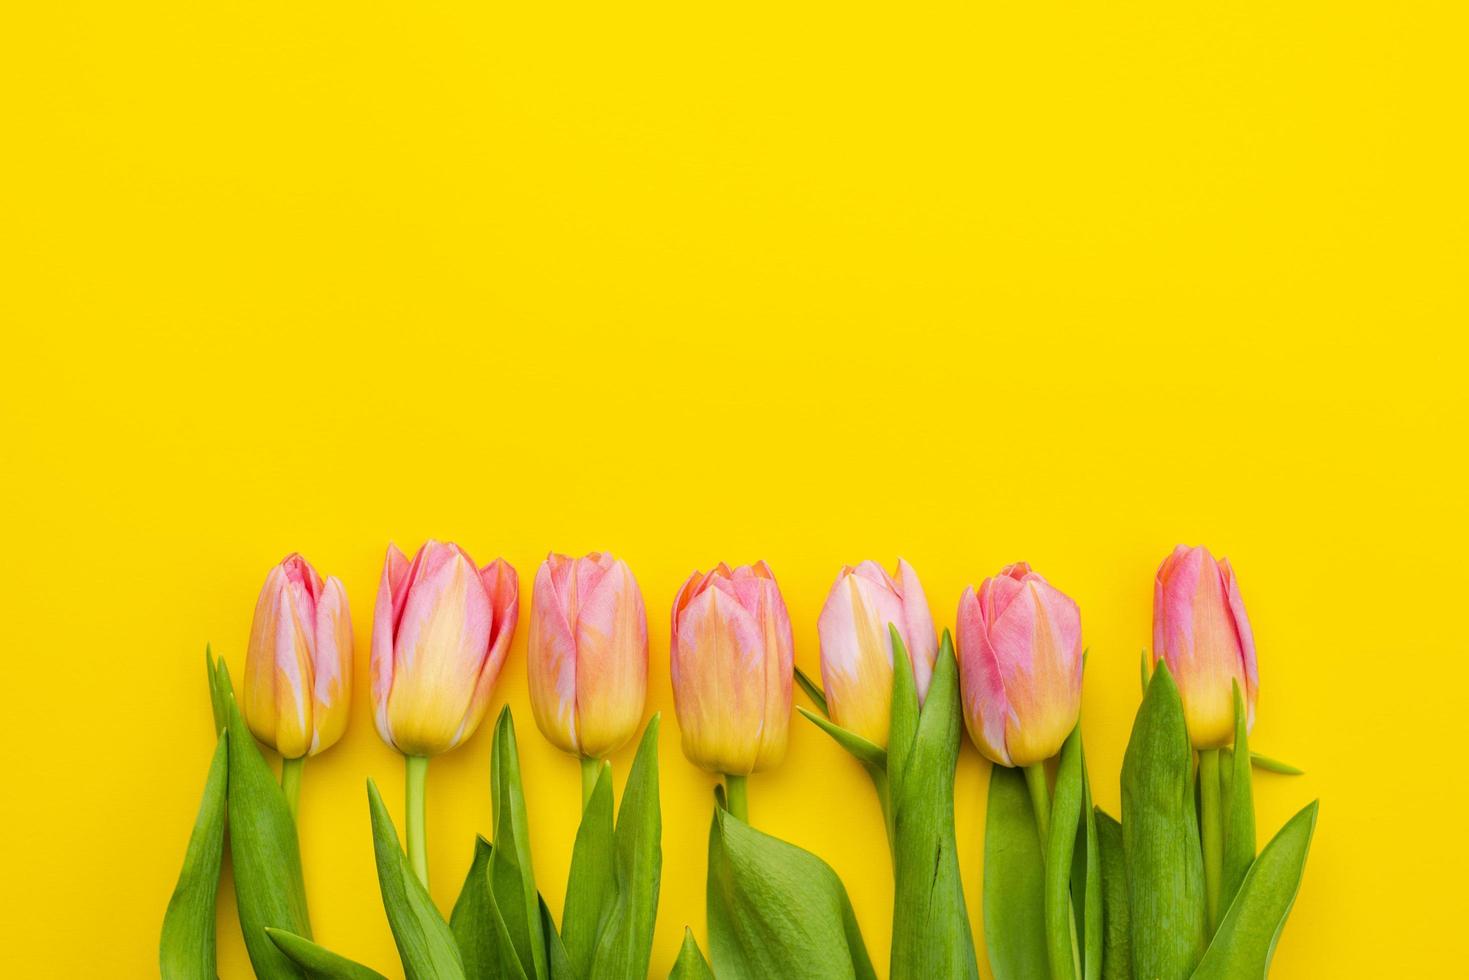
1019, 666
439, 637
298, 667
1200, 628
856, 645
588, 653
732, 662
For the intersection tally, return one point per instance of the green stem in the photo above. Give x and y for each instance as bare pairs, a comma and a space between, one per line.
1040, 800
591, 771
884, 797
1212, 830
415, 777
291, 781
736, 797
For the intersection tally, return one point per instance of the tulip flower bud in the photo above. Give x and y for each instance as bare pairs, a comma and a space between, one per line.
1019, 666
1201, 630
588, 653
857, 649
298, 667
440, 632
732, 662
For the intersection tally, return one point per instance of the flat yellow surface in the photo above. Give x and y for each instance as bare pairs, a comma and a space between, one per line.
808, 282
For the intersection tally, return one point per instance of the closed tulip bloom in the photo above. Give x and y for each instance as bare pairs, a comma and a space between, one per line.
857, 649
588, 653
1019, 666
732, 663
440, 632
1201, 630
298, 667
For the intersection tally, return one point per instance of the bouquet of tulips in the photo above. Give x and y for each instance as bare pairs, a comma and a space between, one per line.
1174, 889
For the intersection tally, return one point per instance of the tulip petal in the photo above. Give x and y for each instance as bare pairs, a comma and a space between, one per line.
332, 684
986, 705
857, 654
719, 680
257, 695
295, 635
921, 638
611, 661
1246, 639
502, 586
551, 662
391, 588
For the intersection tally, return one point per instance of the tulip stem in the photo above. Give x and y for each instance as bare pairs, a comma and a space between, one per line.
591, 771
738, 800
1213, 831
291, 781
415, 778
884, 797
1040, 800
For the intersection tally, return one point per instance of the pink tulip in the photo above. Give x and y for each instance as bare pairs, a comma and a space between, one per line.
439, 636
857, 650
732, 662
1019, 666
588, 653
1201, 630
298, 667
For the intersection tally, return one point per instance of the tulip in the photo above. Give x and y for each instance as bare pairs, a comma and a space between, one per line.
587, 657
440, 632
1019, 666
856, 646
298, 666
732, 663
1201, 630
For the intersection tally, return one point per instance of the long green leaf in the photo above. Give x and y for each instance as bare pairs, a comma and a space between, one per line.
1245, 943
1239, 809
558, 963
814, 692
1116, 939
319, 962
592, 882
425, 941
186, 950
1014, 881
931, 935
1275, 765
903, 723
625, 941
511, 878
264, 851
864, 751
776, 910
1086, 882
1060, 846
1160, 833
691, 964
479, 930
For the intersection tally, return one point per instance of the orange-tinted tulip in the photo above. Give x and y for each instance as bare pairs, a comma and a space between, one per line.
1019, 666
732, 662
587, 657
1201, 630
439, 637
298, 668
857, 649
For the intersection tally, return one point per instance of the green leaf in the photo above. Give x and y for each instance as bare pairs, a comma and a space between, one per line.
425, 942
625, 941
479, 930
1060, 845
512, 880
1275, 765
1245, 942
1160, 833
864, 751
815, 693
592, 882
776, 910
1143, 670
931, 935
904, 719
220, 691
691, 964
319, 962
1239, 809
1116, 939
1086, 882
1014, 881
264, 852
557, 962
186, 949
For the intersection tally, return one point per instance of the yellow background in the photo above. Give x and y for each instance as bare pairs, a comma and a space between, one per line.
808, 282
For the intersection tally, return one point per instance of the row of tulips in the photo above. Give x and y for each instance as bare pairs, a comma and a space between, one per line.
1173, 890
